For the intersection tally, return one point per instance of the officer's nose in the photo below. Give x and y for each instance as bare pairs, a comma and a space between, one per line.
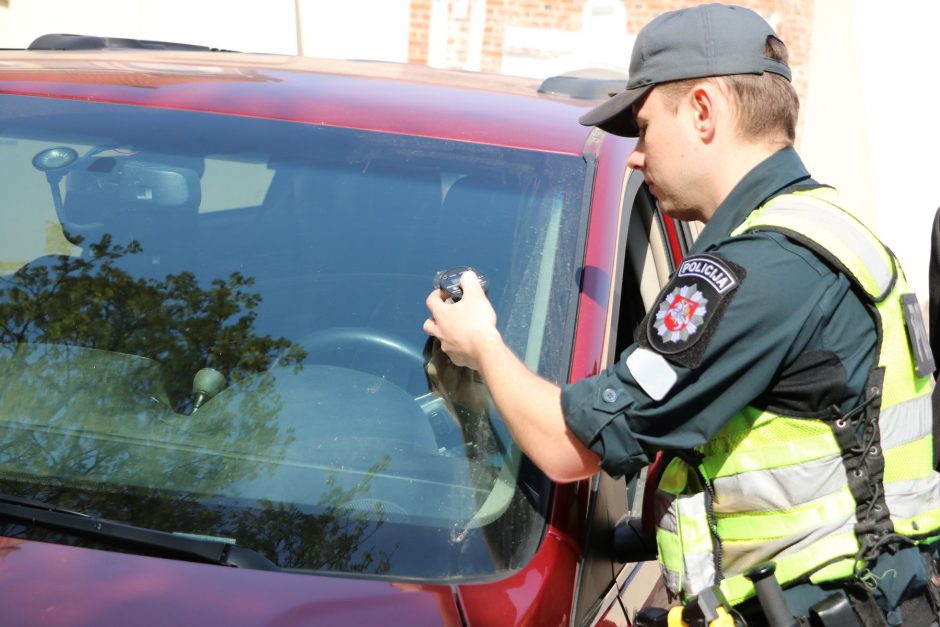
637, 158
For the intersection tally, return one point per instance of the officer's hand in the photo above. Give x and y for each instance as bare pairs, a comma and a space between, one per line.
462, 327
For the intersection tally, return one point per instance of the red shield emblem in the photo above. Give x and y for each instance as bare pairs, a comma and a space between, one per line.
680, 313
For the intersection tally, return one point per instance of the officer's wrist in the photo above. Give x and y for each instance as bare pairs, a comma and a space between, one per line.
486, 345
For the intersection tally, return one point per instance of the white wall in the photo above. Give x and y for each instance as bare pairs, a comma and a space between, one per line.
247, 25
870, 123
356, 29
832, 139
897, 54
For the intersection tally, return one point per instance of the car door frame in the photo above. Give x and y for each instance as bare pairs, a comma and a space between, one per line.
649, 246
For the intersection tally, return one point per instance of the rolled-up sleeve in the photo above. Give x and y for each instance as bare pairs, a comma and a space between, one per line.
595, 410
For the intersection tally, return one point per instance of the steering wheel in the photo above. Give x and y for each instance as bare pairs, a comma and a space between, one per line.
354, 338
378, 347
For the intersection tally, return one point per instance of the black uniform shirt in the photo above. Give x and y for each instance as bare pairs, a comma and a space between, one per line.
787, 332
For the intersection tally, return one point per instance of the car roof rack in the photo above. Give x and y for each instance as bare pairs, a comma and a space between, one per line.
589, 84
63, 41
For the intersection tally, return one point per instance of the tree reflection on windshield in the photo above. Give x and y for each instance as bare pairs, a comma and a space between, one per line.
94, 303
336, 539
96, 372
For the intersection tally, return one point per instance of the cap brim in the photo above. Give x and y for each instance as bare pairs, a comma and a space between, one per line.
615, 115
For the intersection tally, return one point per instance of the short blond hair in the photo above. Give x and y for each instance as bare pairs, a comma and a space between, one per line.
766, 106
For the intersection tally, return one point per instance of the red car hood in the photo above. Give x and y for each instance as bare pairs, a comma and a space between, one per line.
51, 585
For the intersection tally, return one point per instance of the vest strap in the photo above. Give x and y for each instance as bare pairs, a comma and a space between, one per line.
835, 229
864, 465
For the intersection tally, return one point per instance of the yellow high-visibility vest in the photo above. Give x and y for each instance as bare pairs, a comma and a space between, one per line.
809, 493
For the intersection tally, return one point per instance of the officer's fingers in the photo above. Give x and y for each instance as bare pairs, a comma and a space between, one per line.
434, 301
430, 327
470, 284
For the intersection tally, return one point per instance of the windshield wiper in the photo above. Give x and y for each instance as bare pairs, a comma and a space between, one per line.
211, 551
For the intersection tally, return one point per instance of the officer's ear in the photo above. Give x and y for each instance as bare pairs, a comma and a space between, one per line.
705, 101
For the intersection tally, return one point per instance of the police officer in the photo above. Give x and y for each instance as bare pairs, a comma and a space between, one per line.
779, 372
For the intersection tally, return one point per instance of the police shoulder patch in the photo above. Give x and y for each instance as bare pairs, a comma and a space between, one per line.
689, 308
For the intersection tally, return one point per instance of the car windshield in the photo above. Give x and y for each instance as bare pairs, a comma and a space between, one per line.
212, 325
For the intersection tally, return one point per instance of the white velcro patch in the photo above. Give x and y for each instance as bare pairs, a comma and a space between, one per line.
652, 372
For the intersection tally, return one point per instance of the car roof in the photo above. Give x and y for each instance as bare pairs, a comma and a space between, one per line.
382, 96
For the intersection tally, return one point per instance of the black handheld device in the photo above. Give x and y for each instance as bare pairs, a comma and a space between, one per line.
449, 281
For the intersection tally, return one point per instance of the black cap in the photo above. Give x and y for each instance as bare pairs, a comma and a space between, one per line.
707, 40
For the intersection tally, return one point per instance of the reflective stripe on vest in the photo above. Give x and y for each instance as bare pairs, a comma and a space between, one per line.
835, 230
781, 487
683, 531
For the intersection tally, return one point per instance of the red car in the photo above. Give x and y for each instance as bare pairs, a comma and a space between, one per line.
217, 404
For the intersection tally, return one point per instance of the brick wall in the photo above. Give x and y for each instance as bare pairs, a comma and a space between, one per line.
791, 18
418, 31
